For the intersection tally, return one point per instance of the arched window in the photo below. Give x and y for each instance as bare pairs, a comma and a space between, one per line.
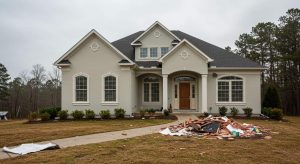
151, 89
110, 88
230, 89
81, 88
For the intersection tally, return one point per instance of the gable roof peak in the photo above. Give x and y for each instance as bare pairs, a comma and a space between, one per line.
151, 27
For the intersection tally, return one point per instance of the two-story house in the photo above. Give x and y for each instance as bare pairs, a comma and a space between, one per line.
156, 68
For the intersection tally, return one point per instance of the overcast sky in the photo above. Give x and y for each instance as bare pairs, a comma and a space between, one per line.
40, 31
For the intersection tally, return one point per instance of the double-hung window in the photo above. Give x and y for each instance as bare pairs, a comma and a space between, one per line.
81, 88
230, 89
143, 52
164, 50
110, 88
153, 52
151, 89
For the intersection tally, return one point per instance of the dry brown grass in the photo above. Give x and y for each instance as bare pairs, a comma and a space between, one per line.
17, 132
282, 148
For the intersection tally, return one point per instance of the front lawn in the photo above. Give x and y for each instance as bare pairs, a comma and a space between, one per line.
282, 148
17, 132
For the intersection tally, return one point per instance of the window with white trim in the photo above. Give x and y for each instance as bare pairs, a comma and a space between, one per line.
153, 52
143, 52
164, 50
81, 88
230, 89
151, 89
110, 88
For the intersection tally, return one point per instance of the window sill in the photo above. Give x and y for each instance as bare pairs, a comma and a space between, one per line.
231, 103
81, 103
110, 103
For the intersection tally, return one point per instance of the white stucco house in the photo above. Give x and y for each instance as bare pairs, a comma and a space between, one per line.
156, 68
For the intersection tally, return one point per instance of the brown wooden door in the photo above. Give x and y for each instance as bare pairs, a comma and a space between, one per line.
184, 95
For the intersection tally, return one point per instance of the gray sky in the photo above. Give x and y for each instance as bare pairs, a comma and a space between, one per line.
40, 31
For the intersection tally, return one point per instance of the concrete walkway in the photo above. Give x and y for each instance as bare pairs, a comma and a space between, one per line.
108, 136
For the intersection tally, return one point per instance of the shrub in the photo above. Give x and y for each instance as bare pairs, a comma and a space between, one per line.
166, 112
105, 114
223, 110
276, 114
266, 111
120, 113
206, 114
271, 98
89, 114
248, 111
77, 114
234, 111
63, 114
151, 111
33, 116
51, 111
45, 116
143, 112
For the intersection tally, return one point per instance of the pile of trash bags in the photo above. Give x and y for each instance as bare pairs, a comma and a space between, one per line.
217, 127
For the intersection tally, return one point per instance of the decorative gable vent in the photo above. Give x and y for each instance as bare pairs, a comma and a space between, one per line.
184, 54
94, 46
156, 34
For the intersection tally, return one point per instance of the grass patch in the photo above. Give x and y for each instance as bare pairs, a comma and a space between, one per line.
16, 132
282, 148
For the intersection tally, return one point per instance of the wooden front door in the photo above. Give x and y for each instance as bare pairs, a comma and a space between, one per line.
184, 95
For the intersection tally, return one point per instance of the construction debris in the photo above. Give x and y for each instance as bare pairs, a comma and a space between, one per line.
217, 128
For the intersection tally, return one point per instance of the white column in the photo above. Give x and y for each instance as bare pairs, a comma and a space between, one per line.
165, 91
204, 93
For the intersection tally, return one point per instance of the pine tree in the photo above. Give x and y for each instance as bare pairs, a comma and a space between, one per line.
4, 77
271, 98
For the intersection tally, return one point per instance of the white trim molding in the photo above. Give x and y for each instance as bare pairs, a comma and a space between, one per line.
153, 25
190, 44
74, 89
230, 102
103, 102
93, 31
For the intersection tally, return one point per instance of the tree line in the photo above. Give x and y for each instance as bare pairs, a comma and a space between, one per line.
30, 91
276, 46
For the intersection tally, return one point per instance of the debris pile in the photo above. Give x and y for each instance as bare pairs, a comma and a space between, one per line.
216, 127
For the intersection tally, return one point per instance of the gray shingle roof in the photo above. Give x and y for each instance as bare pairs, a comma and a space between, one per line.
221, 57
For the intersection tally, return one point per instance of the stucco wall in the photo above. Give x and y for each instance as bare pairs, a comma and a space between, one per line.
252, 91
96, 64
149, 40
176, 62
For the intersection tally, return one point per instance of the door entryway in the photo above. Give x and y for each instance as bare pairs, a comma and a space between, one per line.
184, 95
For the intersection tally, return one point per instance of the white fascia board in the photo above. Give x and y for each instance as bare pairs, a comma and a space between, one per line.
190, 44
155, 23
93, 31
237, 68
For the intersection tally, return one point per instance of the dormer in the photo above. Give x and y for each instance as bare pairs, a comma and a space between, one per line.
155, 42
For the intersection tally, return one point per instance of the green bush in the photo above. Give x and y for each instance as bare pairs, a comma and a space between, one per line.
276, 114
142, 112
223, 111
166, 112
77, 114
89, 114
63, 114
105, 114
248, 111
53, 111
151, 111
266, 111
271, 98
234, 111
33, 116
45, 116
206, 114
120, 113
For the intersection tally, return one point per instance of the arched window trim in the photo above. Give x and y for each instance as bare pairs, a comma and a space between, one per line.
74, 89
103, 89
230, 95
